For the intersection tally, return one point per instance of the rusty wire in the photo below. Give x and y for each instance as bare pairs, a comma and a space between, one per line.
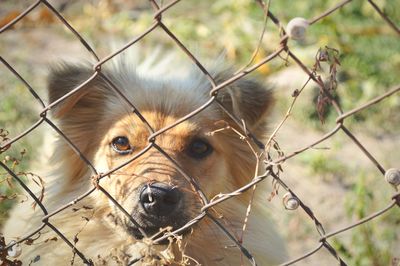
282, 50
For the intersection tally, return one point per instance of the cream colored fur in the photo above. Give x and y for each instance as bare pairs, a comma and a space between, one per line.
96, 114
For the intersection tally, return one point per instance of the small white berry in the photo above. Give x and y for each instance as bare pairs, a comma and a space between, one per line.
393, 176
296, 28
290, 202
15, 250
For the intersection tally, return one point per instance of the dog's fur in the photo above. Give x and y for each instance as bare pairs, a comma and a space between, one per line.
94, 116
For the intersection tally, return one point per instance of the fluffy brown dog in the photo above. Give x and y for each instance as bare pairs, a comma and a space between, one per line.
153, 191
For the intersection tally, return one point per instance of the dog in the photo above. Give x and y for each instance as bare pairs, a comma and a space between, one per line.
147, 185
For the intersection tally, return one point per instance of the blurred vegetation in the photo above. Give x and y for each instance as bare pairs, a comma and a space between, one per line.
368, 47
369, 66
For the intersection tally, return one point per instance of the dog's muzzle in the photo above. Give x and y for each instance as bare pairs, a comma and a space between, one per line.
161, 200
159, 206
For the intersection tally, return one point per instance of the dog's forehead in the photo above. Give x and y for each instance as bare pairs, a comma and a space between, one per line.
163, 104
136, 125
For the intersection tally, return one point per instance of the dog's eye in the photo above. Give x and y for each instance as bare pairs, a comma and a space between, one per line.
121, 145
199, 149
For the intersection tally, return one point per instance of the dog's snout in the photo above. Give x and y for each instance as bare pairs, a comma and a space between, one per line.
160, 199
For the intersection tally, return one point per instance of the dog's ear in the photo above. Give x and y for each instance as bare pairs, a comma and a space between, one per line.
246, 99
64, 78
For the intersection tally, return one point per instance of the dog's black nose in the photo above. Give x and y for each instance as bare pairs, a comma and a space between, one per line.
160, 199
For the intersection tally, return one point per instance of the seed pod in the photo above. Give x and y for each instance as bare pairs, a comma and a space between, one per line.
323, 56
392, 176
296, 28
15, 250
290, 202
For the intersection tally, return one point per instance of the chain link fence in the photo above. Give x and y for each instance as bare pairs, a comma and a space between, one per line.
273, 164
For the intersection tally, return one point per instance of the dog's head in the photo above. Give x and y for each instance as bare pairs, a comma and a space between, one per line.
115, 122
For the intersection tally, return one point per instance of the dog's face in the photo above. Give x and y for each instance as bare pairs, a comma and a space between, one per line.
156, 180
151, 187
